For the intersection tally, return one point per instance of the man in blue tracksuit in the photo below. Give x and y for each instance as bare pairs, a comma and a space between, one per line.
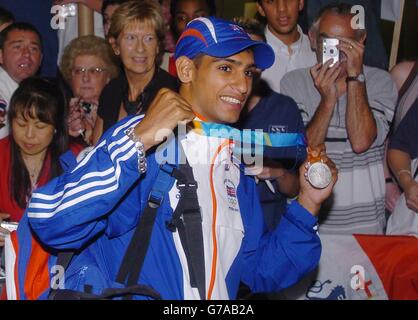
97, 204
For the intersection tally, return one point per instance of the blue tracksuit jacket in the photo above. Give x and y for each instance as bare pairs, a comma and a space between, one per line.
96, 205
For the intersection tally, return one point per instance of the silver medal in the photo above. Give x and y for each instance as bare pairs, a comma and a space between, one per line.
319, 175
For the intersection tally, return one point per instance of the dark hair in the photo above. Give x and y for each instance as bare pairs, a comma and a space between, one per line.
36, 98
251, 26
23, 26
210, 3
173, 6
107, 3
6, 16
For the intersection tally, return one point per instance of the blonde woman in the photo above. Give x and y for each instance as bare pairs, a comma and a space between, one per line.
136, 34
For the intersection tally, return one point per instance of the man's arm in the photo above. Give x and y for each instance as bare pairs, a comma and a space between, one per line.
316, 130
400, 163
360, 123
287, 180
324, 79
72, 209
279, 259
288, 183
402, 148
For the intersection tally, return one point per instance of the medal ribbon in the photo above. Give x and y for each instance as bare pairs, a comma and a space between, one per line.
248, 138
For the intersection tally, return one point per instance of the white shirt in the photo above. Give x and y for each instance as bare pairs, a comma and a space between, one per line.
302, 56
218, 200
7, 87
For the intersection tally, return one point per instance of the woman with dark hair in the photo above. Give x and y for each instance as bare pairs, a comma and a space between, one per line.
30, 154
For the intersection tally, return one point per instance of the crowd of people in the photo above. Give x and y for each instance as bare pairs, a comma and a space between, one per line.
80, 146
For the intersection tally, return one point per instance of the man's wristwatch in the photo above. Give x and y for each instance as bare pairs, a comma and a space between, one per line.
360, 78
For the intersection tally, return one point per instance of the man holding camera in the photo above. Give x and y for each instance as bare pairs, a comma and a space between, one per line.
349, 107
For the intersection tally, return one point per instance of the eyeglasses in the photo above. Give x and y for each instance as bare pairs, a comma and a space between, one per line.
90, 71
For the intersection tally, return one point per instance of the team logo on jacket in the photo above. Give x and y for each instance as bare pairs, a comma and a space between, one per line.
231, 194
274, 128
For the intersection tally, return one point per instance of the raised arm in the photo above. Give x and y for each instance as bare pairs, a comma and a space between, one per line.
282, 257
324, 79
72, 209
360, 123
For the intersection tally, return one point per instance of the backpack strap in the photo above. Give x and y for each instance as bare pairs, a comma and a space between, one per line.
63, 259
134, 257
107, 293
409, 80
187, 219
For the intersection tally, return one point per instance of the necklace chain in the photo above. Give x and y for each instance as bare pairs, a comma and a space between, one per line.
34, 173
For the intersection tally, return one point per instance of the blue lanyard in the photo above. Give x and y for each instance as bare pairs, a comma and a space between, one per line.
248, 137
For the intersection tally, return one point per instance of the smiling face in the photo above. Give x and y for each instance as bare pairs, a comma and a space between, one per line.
219, 87
282, 15
137, 46
21, 55
88, 77
31, 134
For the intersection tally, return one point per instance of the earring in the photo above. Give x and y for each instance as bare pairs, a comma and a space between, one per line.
55, 131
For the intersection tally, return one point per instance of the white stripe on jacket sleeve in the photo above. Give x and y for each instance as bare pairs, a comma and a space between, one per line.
82, 184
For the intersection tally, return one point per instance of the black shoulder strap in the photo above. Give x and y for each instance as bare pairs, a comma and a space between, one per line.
63, 259
416, 172
134, 257
187, 219
411, 77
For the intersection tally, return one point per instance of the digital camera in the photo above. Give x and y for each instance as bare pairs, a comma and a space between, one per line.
87, 107
330, 50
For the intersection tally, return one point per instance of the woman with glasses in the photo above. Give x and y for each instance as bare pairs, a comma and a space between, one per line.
87, 65
136, 33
